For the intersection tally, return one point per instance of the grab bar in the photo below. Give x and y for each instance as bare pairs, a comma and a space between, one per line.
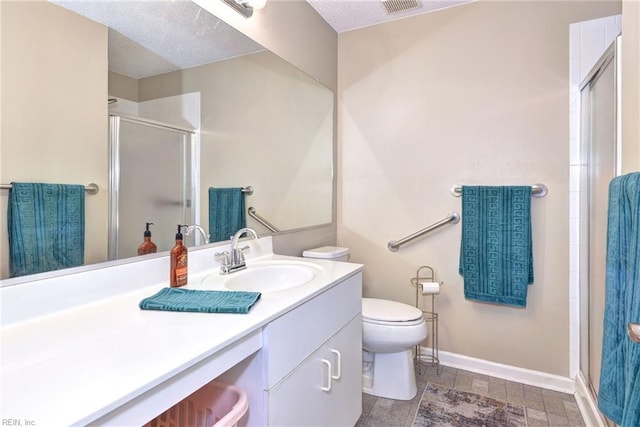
537, 190
89, 188
252, 213
452, 218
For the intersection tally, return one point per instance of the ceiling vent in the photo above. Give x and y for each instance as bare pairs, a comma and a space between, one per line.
397, 6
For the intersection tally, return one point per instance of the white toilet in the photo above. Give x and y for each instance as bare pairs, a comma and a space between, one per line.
390, 330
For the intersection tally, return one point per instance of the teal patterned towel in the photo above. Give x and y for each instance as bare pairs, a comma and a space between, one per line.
45, 227
496, 256
226, 212
619, 391
178, 299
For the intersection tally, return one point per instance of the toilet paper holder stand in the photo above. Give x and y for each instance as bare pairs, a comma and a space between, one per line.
426, 275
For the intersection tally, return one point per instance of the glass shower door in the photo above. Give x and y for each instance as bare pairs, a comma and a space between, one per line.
150, 182
599, 135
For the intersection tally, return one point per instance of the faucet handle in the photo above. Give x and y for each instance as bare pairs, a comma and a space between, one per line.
225, 257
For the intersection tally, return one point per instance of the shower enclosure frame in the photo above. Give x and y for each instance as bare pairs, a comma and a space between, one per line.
191, 192
589, 173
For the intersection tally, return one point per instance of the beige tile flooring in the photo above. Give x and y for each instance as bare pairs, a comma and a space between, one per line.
542, 407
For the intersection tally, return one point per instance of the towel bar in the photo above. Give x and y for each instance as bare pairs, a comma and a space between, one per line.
537, 190
91, 188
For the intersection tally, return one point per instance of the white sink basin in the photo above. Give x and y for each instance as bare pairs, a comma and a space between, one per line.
268, 276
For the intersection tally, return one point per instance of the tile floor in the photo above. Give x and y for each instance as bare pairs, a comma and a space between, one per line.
542, 407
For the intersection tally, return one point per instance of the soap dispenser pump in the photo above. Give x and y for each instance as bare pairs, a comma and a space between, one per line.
178, 273
147, 247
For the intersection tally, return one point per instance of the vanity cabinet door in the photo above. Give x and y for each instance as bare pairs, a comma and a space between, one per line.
292, 338
313, 362
345, 353
326, 388
298, 400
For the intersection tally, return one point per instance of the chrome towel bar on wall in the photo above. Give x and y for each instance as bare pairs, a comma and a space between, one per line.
452, 218
89, 188
537, 190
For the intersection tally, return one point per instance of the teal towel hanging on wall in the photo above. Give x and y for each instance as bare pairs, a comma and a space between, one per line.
496, 254
45, 226
226, 212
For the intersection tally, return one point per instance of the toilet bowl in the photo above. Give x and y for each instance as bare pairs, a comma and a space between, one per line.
390, 331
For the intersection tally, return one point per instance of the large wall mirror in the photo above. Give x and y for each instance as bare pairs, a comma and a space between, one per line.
82, 77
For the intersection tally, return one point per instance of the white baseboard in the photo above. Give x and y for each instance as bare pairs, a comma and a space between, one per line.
507, 372
586, 403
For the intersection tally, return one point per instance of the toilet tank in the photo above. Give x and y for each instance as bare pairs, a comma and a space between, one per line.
333, 253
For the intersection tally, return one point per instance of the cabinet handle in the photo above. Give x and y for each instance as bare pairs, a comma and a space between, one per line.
328, 364
339, 374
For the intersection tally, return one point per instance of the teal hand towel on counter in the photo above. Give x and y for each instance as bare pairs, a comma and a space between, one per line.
496, 256
199, 301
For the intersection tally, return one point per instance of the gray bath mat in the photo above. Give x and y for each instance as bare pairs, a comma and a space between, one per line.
444, 407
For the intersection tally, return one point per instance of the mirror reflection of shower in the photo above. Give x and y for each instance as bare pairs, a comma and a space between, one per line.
152, 179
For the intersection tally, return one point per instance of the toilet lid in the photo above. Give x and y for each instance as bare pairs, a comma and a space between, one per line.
389, 311
326, 252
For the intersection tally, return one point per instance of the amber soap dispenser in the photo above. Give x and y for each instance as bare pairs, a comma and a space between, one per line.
178, 274
147, 247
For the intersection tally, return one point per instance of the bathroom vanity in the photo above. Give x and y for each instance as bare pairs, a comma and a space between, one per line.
313, 362
77, 350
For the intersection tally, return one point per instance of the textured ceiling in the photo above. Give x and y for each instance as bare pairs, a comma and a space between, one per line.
345, 15
153, 37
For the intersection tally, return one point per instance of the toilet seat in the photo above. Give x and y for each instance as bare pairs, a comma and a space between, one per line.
395, 324
392, 313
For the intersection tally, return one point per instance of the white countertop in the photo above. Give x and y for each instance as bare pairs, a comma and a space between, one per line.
73, 366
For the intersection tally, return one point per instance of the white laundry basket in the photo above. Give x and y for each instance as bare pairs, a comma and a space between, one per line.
216, 404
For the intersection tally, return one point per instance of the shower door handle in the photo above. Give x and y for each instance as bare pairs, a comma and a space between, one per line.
633, 329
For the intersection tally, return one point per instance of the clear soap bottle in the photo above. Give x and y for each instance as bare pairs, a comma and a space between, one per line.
178, 274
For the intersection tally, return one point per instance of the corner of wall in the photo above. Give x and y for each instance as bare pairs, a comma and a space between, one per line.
631, 86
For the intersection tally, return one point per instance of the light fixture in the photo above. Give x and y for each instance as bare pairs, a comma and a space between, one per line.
246, 7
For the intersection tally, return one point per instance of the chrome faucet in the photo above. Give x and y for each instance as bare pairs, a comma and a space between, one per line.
234, 259
203, 233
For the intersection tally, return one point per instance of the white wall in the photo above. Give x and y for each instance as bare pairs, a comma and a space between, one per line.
631, 85
475, 94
